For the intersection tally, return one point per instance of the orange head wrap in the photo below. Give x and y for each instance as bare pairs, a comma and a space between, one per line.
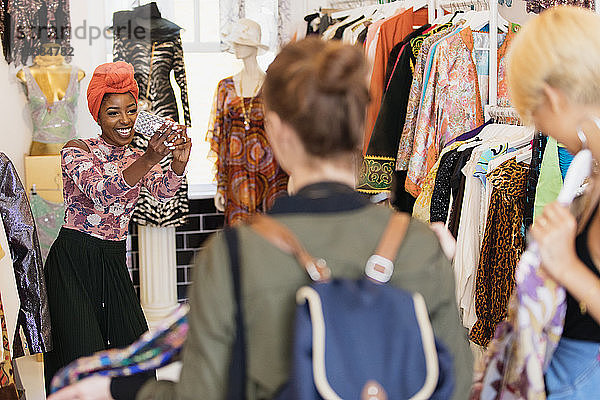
110, 78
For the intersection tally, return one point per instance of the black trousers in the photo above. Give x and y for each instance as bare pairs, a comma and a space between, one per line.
93, 305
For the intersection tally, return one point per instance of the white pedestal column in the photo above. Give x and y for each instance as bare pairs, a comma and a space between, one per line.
158, 272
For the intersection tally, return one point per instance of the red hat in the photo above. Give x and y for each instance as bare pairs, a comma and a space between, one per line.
110, 78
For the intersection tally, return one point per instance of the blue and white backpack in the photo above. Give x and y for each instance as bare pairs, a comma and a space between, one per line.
355, 339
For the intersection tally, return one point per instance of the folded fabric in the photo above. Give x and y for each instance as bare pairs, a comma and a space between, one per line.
153, 350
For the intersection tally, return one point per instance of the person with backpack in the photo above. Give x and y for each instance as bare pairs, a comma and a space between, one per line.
316, 95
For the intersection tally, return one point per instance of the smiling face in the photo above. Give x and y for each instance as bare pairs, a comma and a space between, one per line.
116, 118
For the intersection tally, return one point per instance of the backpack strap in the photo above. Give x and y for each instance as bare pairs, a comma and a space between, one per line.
379, 267
236, 389
281, 237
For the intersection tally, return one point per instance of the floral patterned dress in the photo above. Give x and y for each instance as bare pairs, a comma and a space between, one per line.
248, 176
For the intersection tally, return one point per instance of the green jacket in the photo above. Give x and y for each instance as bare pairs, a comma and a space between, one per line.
270, 280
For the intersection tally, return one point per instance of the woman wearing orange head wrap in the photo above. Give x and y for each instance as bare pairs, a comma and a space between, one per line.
93, 305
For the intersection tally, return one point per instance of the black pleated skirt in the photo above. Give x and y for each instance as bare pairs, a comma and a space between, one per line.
93, 305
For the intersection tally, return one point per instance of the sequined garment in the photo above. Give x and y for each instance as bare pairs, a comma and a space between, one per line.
163, 55
34, 316
3, 20
49, 218
32, 23
53, 123
422, 208
451, 106
248, 176
537, 6
98, 200
503, 244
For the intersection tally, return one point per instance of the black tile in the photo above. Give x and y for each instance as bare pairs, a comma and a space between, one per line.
135, 260
182, 292
196, 240
185, 257
135, 277
179, 241
133, 228
202, 206
181, 275
213, 222
192, 224
190, 273
134, 243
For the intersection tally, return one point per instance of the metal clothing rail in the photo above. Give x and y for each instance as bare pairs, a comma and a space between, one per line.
347, 4
366, 9
504, 114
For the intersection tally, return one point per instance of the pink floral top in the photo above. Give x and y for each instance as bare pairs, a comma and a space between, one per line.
451, 106
98, 200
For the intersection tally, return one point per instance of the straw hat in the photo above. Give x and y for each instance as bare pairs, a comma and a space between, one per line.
245, 32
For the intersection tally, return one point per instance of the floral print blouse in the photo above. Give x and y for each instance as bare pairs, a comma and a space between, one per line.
451, 106
98, 200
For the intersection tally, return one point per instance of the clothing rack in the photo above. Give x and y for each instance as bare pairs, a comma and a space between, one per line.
346, 4
504, 113
371, 7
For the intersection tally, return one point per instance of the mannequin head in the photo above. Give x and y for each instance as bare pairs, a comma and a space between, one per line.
117, 115
316, 96
243, 51
554, 76
245, 39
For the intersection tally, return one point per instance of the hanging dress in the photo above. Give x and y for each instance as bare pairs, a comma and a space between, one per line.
19, 225
248, 176
49, 217
154, 54
31, 23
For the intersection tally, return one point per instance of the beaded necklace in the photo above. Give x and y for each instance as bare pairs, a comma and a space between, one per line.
246, 116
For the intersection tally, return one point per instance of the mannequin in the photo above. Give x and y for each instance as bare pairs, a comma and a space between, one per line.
152, 44
53, 77
247, 84
249, 179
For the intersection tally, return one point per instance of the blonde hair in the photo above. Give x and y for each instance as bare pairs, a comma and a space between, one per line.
560, 48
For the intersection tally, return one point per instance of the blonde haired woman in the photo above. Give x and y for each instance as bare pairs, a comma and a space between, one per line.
554, 78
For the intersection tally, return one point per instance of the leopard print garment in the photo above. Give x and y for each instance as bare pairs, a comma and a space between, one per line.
503, 244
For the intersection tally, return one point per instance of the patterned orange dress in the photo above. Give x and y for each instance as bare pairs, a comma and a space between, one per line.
247, 174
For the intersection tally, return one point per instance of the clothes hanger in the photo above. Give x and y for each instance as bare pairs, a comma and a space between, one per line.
418, 4
479, 19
